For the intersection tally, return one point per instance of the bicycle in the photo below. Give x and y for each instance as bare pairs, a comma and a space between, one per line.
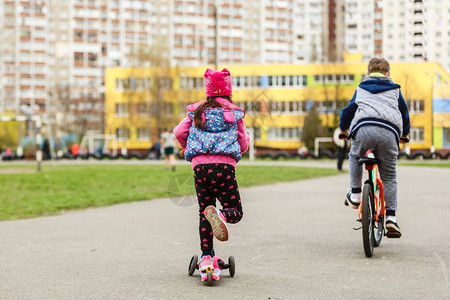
371, 213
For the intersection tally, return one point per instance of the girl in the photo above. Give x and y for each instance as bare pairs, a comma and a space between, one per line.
214, 138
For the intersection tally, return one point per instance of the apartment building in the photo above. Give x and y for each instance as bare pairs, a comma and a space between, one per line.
254, 31
23, 56
399, 30
417, 30
359, 27
312, 19
195, 25
54, 53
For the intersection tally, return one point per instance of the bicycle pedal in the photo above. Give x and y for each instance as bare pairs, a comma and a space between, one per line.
393, 235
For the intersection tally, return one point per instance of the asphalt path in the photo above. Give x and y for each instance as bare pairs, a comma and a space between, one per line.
295, 242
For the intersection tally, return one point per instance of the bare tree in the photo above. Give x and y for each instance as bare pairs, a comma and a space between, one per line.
312, 127
334, 101
60, 111
160, 82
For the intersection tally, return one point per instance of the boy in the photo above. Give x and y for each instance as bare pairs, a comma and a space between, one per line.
376, 118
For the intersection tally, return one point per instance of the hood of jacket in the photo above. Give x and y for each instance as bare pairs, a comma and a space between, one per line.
218, 118
222, 101
377, 85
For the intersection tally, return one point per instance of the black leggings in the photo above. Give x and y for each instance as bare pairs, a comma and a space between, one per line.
216, 181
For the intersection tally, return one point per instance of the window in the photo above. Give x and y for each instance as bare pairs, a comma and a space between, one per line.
318, 78
121, 110
195, 83
78, 58
25, 33
92, 59
142, 83
288, 107
284, 134
446, 137
327, 106
251, 107
78, 35
143, 134
416, 106
122, 134
167, 109
122, 84
143, 109
417, 135
92, 36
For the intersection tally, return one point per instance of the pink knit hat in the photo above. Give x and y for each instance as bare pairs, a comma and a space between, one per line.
218, 83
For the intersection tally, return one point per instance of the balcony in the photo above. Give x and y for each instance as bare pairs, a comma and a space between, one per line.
418, 19
418, 6
418, 40
418, 27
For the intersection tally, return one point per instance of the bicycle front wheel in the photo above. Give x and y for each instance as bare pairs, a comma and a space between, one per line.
367, 219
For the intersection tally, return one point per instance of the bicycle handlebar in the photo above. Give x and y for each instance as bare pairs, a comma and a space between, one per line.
343, 136
404, 139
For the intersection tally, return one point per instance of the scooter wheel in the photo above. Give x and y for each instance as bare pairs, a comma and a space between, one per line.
232, 265
193, 265
209, 281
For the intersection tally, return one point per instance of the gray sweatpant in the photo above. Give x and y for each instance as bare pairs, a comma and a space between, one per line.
385, 145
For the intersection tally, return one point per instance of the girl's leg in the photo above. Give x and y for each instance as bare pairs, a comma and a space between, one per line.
205, 198
227, 192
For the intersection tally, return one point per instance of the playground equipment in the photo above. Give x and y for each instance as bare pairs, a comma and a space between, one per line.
38, 124
90, 141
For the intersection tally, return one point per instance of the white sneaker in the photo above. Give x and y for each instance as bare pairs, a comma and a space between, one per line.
348, 201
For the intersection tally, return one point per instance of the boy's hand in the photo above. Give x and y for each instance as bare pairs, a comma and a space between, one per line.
343, 135
404, 140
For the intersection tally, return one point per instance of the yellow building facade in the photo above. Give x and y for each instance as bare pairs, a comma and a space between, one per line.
141, 101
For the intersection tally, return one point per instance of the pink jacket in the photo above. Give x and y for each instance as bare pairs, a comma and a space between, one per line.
182, 132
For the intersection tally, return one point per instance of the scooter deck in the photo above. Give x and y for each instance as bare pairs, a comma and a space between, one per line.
215, 272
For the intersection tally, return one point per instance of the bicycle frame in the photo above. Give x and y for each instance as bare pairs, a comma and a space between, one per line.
373, 180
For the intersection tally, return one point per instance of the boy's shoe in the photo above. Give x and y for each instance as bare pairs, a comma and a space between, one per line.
393, 230
218, 223
206, 264
349, 202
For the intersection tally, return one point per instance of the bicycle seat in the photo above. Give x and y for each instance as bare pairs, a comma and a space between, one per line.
369, 159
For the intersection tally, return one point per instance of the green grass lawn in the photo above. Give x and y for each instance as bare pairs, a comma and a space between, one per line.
437, 164
25, 193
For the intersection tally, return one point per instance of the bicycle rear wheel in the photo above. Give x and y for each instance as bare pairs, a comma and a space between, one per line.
379, 229
367, 219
